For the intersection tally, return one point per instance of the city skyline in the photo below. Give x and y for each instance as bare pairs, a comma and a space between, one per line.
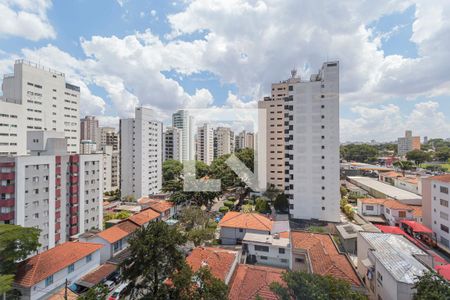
393, 78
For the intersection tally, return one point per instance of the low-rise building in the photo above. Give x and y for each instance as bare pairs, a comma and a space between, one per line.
221, 262
41, 275
410, 183
234, 226
113, 239
167, 209
348, 233
318, 254
251, 281
389, 264
273, 250
145, 217
392, 211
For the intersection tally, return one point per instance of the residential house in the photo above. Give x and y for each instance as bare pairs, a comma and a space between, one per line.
221, 262
234, 226
113, 239
41, 275
273, 250
250, 281
167, 209
145, 217
389, 264
391, 210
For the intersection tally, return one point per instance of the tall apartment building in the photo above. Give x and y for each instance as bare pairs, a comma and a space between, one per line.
173, 143
184, 121
436, 209
109, 137
223, 141
312, 145
40, 99
205, 143
245, 140
59, 193
141, 154
408, 143
89, 130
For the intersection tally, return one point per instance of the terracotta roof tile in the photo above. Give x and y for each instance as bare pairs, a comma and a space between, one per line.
246, 220
324, 256
162, 206
118, 232
284, 234
390, 203
249, 281
442, 178
144, 217
417, 211
96, 276
220, 261
37, 268
391, 174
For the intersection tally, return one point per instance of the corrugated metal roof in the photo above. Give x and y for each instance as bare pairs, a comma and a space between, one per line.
396, 254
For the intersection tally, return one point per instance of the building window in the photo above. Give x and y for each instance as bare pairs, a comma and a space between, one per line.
444, 202
402, 214
71, 268
369, 207
263, 257
291, 206
380, 278
281, 250
284, 260
262, 248
89, 258
49, 280
299, 260
443, 215
388, 211
445, 242
444, 228
443, 189
241, 230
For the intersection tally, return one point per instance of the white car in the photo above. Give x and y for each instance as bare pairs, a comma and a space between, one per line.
109, 284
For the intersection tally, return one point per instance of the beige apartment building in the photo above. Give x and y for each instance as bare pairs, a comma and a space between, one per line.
274, 106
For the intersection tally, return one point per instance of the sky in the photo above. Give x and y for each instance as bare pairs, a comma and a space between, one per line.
168, 55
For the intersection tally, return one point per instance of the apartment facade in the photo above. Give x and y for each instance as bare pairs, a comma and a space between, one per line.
223, 141
184, 121
245, 140
407, 143
312, 146
435, 208
59, 193
173, 143
44, 100
12, 127
89, 130
205, 144
109, 137
141, 154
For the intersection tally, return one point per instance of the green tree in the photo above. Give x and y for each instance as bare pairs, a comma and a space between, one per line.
271, 192
171, 170
301, 285
192, 217
6, 282
262, 206
442, 154
200, 235
16, 243
97, 292
154, 257
359, 152
281, 203
418, 156
404, 165
343, 191
200, 285
431, 286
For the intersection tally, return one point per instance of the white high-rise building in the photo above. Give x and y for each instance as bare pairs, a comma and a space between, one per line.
312, 146
59, 193
141, 154
40, 99
223, 141
245, 140
205, 144
110, 137
173, 142
184, 121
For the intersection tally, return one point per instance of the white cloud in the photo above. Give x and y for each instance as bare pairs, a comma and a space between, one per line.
26, 18
387, 122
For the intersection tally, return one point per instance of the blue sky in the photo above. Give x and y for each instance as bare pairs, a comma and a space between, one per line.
209, 53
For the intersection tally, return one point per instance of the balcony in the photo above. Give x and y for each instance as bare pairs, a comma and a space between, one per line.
58, 193
7, 203
73, 179
7, 165
74, 158
7, 216
58, 170
58, 181
74, 189
9, 189
57, 214
57, 226
73, 200
57, 237
57, 204
74, 210
73, 169
7, 176
73, 230
74, 220
58, 159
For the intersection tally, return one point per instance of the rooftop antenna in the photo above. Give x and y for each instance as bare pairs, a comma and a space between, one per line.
293, 72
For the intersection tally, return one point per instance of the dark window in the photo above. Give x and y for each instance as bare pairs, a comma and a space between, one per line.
263, 257
299, 260
241, 230
444, 228
281, 250
444, 189
323, 207
291, 206
291, 87
262, 248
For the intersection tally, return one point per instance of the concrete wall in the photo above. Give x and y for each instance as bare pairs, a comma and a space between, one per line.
230, 236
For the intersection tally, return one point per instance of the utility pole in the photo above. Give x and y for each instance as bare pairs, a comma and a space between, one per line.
65, 291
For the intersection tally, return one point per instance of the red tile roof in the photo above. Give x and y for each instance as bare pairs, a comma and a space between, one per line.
324, 256
444, 271
390, 229
417, 211
250, 281
255, 221
220, 261
390, 203
284, 234
391, 174
442, 178
417, 227
162, 206
39, 267
96, 276
144, 217
118, 232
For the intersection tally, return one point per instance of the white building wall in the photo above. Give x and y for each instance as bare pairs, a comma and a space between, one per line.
274, 257
440, 212
184, 121
13, 138
230, 236
313, 148
205, 144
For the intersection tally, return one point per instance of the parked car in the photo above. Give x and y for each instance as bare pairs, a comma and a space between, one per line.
109, 284
118, 292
